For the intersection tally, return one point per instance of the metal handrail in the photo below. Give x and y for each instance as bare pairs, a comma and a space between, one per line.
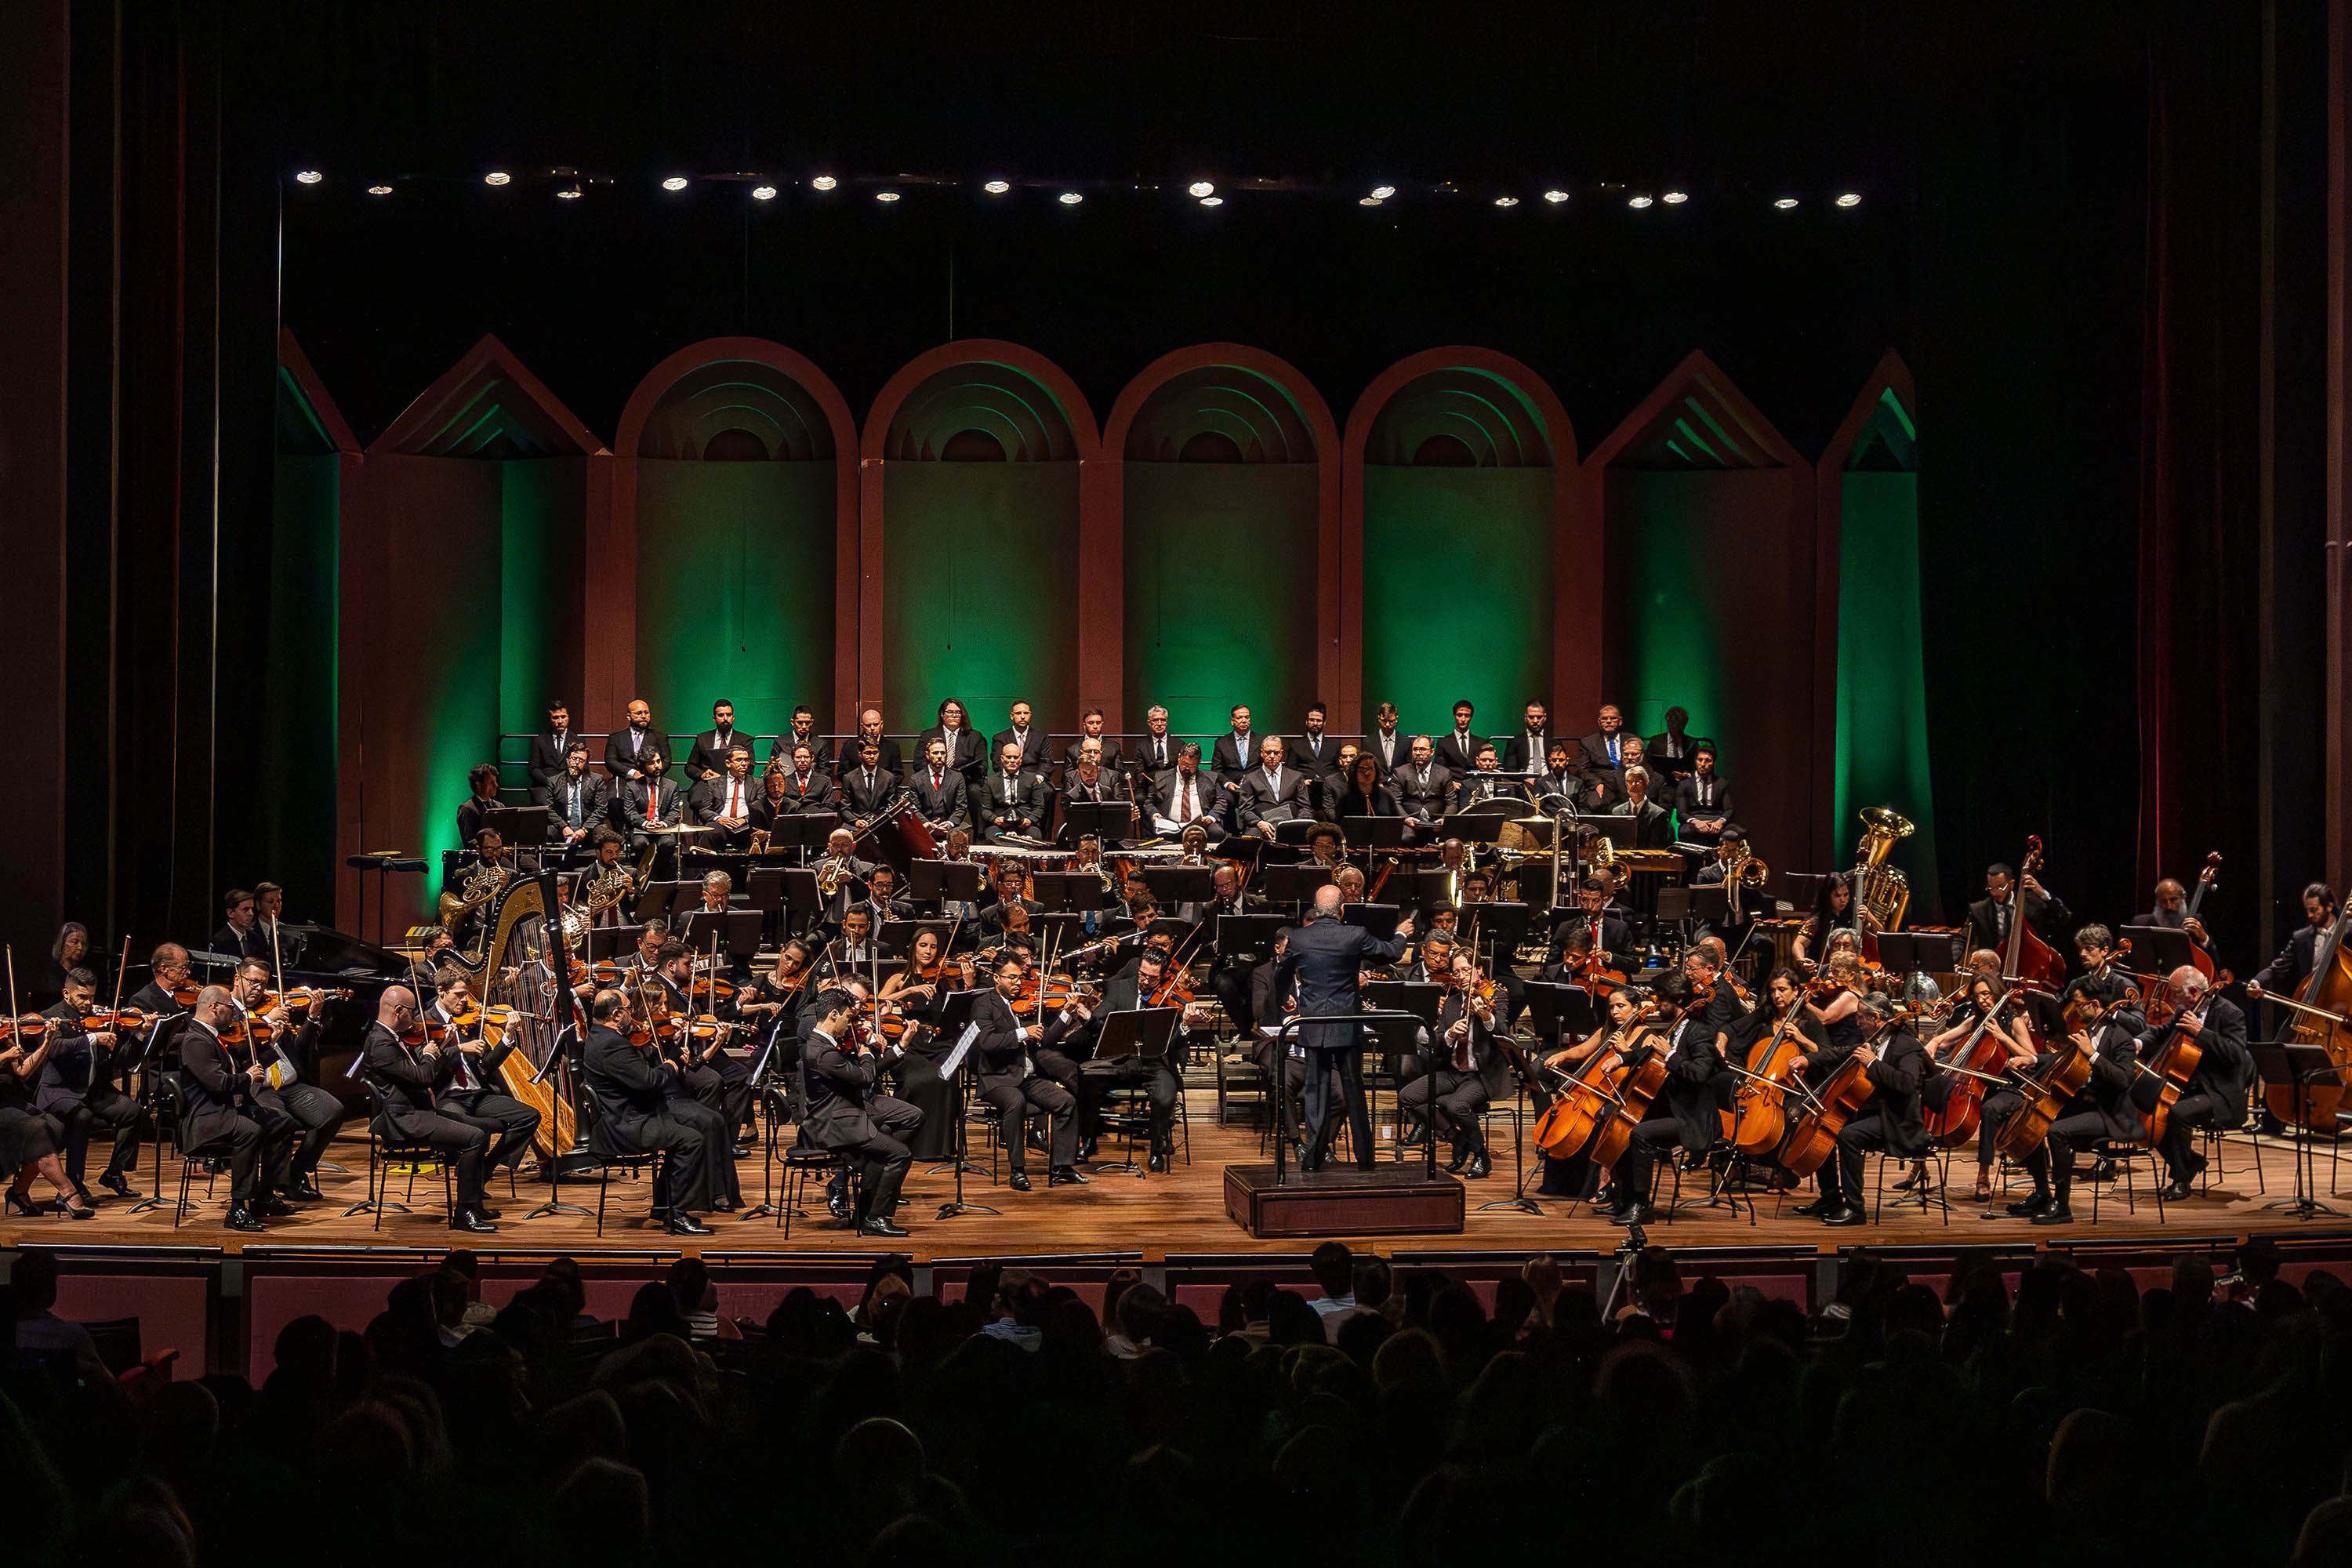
1282, 1101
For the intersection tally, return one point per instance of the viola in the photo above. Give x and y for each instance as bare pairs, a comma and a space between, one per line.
120, 1020
708, 985
185, 996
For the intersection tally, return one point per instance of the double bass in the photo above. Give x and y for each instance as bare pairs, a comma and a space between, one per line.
2322, 1005
2026, 956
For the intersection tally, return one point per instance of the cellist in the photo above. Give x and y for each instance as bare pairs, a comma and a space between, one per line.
2011, 1032
1893, 1119
2217, 1091
1834, 1002
1689, 1118
2104, 1110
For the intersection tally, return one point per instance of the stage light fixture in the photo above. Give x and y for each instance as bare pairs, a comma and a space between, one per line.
379, 190
1506, 201
1637, 203
1071, 198
309, 177
1785, 203
885, 196
997, 187
824, 183
498, 177
1382, 193
1201, 188
1851, 199
763, 192
675, 182
1212, 201
1675, 198
1370, 201
572, 194
1555, 197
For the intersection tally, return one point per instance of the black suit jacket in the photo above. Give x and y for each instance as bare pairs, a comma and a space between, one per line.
1401, 744
1688, 804
1432, 799
1457, 751
836, 1082
1209, 797
1226, 759
619, 759
1029, 800
862, 800
1693, 1064
2043, 915
409, 1081
216, 1088
1158, 753
1656, 829
2293, 961
779, 749
1346, 801
1002, 1049
546, 764
1318, 970
709, 797
247, 944
819, 794
627, 1088
1110, 755
966, 754
1488, 1057
709, 751
1595, 748
1898, 1075
1523, 751
944, 803
1297, 752
595, 802
1033, 750
2225, 1068
845, 757
656, 801
1616, 936
1262, 795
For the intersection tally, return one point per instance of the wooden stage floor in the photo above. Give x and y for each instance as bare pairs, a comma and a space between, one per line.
1182, 1212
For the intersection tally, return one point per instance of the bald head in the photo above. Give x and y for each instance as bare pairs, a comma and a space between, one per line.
1328, 899
2188, 979
395, 1007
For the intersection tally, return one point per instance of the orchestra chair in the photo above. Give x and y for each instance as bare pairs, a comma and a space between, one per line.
803, 1163
1242, 1085
213, 1152
2128, 1153
386, 1148
1939, 1161
1126, 1111
652, 1162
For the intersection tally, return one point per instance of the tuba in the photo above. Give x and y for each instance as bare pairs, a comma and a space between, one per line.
1882, 889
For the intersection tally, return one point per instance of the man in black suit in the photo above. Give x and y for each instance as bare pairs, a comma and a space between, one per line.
707, 757
1184, 797
851, 753
1463, 1070
578, 802
1485, 781
1010, 1081
548, 749
221, 1102
1457, 749
1070, 1040
1702, 801
1090, 783
1013, 800
1654, 829
408, 1079
1390, 745
1689, 1116
1272, 793
807, 787
1604, 749
1090, 728
846, 1116
1319, 971
1235, 751
1892, 1121
2171, 913
1311, 751
1559, 780
1672, 753
867, 786
801, 733
650, 801
721, 806
475, 1091
1424, 788
1010, 892
628, 1091
1024, 734
76, 1088
967, 754
629, 750
1989, 917
2218, 1089
240, 937
2106, 1109
2296, 960
1594, 927
1158, 749
316, 1114
474, 811
1526, 751
939, 789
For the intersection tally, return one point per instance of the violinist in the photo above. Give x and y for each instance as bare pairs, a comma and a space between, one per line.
77, 1088
222, 1104
778, 993
1463, 1069
1073, 1036
929, 973
471, 1095
1435, 966
1690, 1118
408, 1071
845, 1113
628, 1086
2218, 1089
1593, 932
2293, 964
1575, 1177
29, 1141
1989, 917
578, 801
1010, 1081
293, 1044
721, 802
1013, 801
2015, 1037
2104, 1110
1892, 1119
164, 1002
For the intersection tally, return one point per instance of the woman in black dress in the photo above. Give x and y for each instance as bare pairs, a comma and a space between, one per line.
29, 1141
921, 1084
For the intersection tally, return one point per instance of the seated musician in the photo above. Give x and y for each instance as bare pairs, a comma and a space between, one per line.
774, 998
721, 803
1349, 880
1010, 1081
1011, 934
706, 759
1425, 791
1892, 1119
716, 1074
2103, 976
1621, 1022
1701, 803
965, 912
1012, 799
636, 751
221, 1102
316, 1114
1072, 1036
801, 733
1090, 728
1655, 828
77, 1088
1463, 1070
1989, 917
1324, 847
1361, 792
850, 755
475, 1091
1433, 963
605, 883
1594, 931
869, 787
1184, 799
633, 1113
1091, 783
807, 787
1229, 976
1834, 908
1555, 789
1011, 893
408, 1073
930, 971
2171, 913
1157, 751
1267, 1010
1341, 767
1983, 992
474, 813
650, 802
1486, 780
2219, 1086
578, 801
845, 1113
1272, 791
967, 754
2105, 1109
840, 870
882, 902
939, 789
859, 947
1688, 1113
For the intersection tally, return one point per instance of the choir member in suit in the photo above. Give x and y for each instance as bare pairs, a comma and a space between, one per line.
1185, 797
1013, 800
807, 787
1655, 828
1424, 788
1090, 728
549, 748
1158, 751
967, 752
1672, 752
1025, 734
1363, 794
867, 786
1457, 749
628, 750
1272, 793
578, 801
1311, 751
1526, 751
850, 753
1389, 744
722, 806
801, 733
939, 788
1703, 807
707, 758
1605, 747
1558, 781
1236, 752
474, 812
648, 801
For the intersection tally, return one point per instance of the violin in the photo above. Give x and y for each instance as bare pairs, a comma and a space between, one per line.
301, 999
708, 985
120, 1020
185, 996
26, 1030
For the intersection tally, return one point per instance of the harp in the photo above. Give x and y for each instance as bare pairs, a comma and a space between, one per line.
524, 965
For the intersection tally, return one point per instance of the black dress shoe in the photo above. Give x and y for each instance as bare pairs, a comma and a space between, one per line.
1460, 1157
1629, 1213
1818, 1207
1086, 1147
684, 1224
1845, 1214
1036, 1138
741, 1151
470, 1219
1018, 1181
2103, 1171
1413, 1138
113, 1181
2056, 1214
877, 1226
1479, 1165
2178, 1192
273, 1206
242, 1218
1158, 1162
306, 1191
2031, 1206
1066, 1176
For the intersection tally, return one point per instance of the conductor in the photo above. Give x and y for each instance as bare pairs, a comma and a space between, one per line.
1320, 968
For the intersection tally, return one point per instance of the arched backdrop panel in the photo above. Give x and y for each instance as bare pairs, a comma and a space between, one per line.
1219, 496
979, 547
736, 481
1459, 509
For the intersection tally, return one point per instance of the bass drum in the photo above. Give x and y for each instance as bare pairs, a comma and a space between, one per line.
902, 837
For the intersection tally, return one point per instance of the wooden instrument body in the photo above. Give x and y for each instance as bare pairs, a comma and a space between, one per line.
2047, 1093
1956, 1123
1814, 1138
1585, 1116
2328, 986
523, 918
2029, 957
1757, 1119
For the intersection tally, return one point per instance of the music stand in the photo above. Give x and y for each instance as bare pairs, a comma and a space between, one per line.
801, 894
1107, 820
518, 824
940, 881
1481, 823
955, 1024
1140, 1035
2160, 948
1074, 891
383, 862
613, 941
1380, 920
1249, 938
739, 930
1373, 832
1619, 831
2289, 1064
1293, 884
1920, 952
1561, 1008
1498, 924
1175, 885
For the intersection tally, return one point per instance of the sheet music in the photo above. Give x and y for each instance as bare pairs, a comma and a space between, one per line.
962, 1048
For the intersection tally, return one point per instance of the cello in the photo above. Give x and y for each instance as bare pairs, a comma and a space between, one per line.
2322, 1005
2176, 1060
1757, 1117
2051, 1086
1842, 1096
1597, 1107
1973, 1062
2026, 956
